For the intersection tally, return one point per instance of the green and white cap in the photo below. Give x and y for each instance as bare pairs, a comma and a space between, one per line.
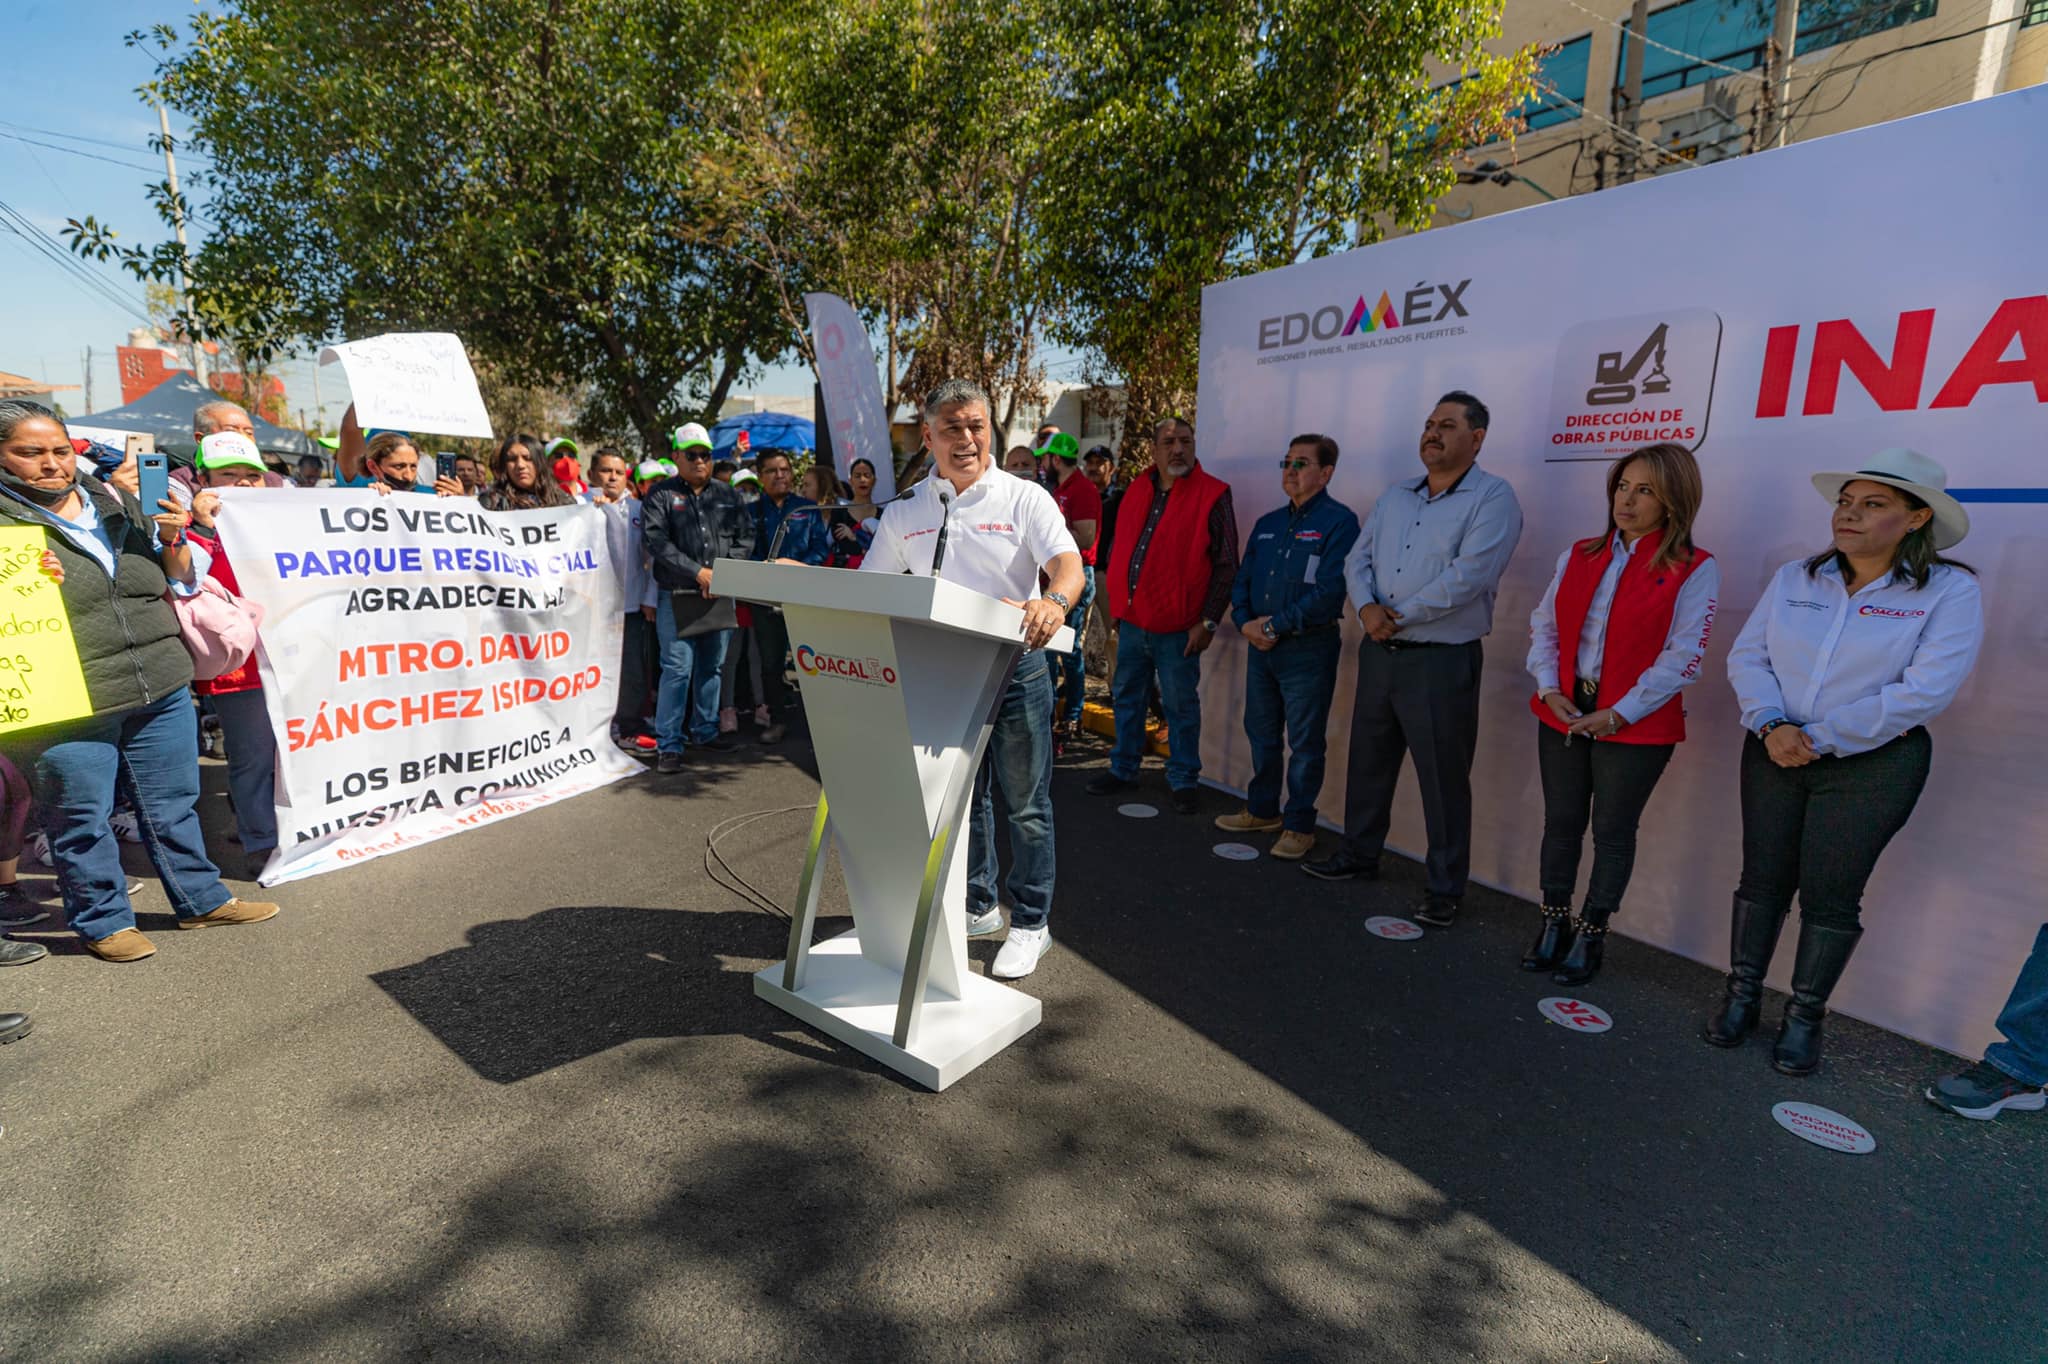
228, 449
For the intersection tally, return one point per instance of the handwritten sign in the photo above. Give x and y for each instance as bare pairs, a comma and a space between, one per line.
412, 381
40, 682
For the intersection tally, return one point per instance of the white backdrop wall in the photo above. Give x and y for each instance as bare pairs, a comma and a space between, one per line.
1904, 253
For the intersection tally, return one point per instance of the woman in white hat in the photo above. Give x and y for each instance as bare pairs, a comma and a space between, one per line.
1846, 658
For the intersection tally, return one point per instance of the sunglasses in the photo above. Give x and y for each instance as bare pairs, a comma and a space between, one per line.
1291, 464
696, 456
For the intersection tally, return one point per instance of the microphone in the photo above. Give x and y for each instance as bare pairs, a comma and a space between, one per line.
945, 521
782, 529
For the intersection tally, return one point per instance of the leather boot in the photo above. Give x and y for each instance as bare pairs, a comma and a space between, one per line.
1752, 938
1823, 954
1553, 940
1582, 963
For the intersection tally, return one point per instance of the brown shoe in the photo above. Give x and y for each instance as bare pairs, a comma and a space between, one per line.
1245, 822
127, 945
233, 912
1293, 845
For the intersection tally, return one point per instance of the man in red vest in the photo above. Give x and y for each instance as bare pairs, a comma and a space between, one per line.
1169, 584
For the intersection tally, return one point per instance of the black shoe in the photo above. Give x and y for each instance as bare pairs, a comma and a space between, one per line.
21, 953
668, 764
725, 743
258, 860
1553, 940
1582, 963
13, 1027
18, 910
1108, 784
1823, 955
1342, 865
1438, 911
1983, 1092
1186, 800
775, 733
1752, 938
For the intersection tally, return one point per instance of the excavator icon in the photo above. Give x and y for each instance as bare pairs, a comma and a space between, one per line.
1614, 383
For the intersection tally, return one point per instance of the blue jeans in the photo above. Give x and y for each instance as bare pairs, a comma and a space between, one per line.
1291, 683
2024, 1021
1139, 655
252, 766
1020, 757
688, 691
149, 752
1073, 667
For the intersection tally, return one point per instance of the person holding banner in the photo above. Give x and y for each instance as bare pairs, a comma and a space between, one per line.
118, 566
1619, 634
688, 522
1423, 575
1846, 658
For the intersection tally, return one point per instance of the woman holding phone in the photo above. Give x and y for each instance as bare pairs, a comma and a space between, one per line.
1617, 637
1846, 658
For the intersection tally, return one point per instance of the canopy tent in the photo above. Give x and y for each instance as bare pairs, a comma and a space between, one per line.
165, 412
764, 431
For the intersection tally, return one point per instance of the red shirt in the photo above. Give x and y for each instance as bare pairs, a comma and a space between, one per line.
1080, 500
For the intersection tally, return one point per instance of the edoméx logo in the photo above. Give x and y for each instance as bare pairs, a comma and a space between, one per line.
868, 671
1366, 323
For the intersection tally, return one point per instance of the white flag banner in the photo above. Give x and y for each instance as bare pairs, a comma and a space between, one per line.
853, 391
1864, 317
428, 666
412, 381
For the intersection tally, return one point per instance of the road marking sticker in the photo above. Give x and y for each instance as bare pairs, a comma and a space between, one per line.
1138, 811
1824, 1127
1574, 1014
1237, 852
1400, 930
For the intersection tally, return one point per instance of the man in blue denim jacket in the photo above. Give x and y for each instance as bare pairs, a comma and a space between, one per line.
1286, 601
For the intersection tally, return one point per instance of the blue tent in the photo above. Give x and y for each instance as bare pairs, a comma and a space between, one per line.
765, 431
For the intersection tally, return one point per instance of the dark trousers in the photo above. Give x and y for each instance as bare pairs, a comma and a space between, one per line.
1604, 783
1817, 830
1289, 686
639, 663
1423, 702
771, 633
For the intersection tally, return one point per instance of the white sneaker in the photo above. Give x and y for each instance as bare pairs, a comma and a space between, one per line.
1020, 954
988, 921
125, 826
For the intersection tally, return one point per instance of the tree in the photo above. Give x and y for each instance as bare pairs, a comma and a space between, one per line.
516, 171
1197, 140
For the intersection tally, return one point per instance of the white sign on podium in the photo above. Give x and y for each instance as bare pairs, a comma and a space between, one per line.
901, 676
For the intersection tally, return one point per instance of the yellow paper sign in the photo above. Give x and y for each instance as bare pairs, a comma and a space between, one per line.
40, 682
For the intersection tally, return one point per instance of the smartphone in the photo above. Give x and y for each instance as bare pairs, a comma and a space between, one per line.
140, 445
156, 481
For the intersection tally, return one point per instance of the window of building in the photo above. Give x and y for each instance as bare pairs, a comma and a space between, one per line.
1734, 33
1560, 85
2037, 13
1097, 419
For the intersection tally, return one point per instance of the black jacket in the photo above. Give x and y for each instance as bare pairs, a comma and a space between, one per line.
125, 630
685, 531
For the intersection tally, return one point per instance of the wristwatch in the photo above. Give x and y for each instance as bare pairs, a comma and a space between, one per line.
1061, 598
1763, 731
1210, 626
1268, 630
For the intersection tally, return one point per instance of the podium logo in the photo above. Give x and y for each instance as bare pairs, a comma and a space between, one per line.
868, 671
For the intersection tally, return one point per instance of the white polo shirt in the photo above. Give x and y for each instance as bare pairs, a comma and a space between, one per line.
1003, 529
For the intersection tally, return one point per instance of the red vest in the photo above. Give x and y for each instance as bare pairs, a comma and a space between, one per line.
1638, 623
1173, 582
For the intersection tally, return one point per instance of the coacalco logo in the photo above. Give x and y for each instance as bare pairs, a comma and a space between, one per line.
871, 671
1426, 302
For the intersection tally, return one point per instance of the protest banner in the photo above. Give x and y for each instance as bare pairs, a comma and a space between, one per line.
854, 409
1658, 311
416, 382
428, 666
40, 680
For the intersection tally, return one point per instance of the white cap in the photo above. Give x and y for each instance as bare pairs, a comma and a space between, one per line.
226, 449
689, 434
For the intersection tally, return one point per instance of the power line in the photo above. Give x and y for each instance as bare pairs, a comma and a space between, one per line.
1648, 41
54, 252
73, 151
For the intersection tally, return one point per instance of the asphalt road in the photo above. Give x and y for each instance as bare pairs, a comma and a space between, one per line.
510, 1096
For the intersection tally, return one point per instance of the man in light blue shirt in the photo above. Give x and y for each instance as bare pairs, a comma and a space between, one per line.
1423, 575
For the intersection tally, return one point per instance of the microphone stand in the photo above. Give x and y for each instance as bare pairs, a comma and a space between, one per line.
945, 523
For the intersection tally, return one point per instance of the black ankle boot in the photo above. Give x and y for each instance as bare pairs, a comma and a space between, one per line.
1753, 937
1582, 963
1823, 954
1553, 940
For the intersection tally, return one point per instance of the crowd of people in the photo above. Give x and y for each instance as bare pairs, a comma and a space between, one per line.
1847, 658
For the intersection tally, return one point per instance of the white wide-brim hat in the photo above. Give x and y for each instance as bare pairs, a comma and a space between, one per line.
1918, 475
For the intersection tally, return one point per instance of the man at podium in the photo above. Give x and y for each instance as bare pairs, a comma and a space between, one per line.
972, 524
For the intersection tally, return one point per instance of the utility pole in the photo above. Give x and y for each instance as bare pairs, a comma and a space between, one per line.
1632, 92
319, 407
163, 121
88, 379
1784, 35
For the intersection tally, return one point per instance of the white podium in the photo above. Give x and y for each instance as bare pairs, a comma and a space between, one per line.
901, 676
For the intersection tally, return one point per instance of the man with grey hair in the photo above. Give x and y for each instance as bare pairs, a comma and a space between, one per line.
220, 414
1001, 532
1170, 571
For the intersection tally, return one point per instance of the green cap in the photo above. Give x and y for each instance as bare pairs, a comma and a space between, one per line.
1060, 445
226, 449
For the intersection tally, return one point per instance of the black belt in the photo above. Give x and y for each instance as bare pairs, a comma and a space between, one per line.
1395, 646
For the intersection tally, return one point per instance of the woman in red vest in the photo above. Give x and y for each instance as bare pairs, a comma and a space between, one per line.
1618, 636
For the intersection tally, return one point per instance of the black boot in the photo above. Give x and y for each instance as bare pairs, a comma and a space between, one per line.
1752, 938
1553, 940
1823, 953
1582, 963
